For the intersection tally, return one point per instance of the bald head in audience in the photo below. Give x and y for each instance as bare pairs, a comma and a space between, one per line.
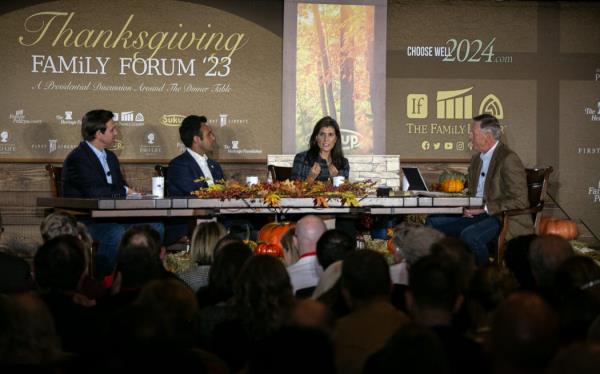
308, 231
546, 254
524, 334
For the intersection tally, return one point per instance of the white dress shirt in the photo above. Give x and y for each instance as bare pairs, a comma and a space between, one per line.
485, 158
202, 161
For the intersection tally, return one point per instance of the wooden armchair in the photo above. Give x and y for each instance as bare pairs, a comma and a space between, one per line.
280, 173
55, 182
537, 184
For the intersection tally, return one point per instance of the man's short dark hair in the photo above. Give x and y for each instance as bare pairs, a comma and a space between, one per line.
333, 246
435, 283
59, 263
93, 121
489, 124
190, 127
366, 275
138, 265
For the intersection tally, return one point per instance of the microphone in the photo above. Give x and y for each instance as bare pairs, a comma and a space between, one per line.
108, 173
482, 174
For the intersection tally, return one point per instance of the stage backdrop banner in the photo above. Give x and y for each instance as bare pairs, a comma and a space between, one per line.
152, 64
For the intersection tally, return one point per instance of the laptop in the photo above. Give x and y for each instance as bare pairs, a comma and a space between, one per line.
414, 178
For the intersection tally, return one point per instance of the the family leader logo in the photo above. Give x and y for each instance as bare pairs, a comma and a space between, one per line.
454, 104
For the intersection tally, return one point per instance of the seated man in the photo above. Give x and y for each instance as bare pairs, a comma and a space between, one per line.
193, 163
498, 176
93, 171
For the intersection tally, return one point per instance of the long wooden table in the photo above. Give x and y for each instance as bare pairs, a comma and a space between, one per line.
189, 207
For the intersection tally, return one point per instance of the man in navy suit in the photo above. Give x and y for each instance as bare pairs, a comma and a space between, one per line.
93, 171
194, 162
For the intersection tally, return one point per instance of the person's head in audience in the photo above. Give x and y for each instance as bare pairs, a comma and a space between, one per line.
15, 274
308, 231
546, 254
196, 134
516, 257
205, 237
577, 294
435, 290
580, 358
279, 352
27, 332
413, 241
225, 269
488, 287
136, 266
524, 334
98, 128
176, 303
144, 236
290, 249
333, 246
263, 295
412, 349
365, 278
59, 264
57, 224
455, 250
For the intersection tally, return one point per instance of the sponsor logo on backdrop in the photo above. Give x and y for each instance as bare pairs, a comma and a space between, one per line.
593, 112
460, 50
6, 146
594, 192
151, 147
171, 120
181, 147
226, 120
19, 118
67, 119
597, 75
350, 139
450, 106
129, 118
236, 148
53, 146
588, 150
117, 145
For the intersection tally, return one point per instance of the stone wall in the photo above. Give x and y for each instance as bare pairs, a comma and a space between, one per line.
383, 169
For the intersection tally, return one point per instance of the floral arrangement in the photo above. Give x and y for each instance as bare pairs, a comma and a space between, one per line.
272, 193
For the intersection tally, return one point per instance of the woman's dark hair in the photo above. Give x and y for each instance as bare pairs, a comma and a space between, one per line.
226, 267
263, 296
337, 154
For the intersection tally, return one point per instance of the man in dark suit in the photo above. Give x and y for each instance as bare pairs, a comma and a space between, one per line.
93, 171
497, 175
194, 162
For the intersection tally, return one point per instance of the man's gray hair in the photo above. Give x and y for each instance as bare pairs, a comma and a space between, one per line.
489, 124
415, 241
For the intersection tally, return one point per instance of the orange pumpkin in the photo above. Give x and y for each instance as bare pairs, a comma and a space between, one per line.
268, 249
452, 181
562, 227
273, 232
544, 224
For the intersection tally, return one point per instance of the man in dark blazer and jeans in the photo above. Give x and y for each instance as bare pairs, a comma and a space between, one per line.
93, 171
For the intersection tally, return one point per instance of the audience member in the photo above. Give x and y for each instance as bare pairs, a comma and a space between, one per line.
524, 335
435, 296
28, 338
205, 237
516, 257
546, 254
305, 273
15, 274
412, 349
576, 297
366, 287
290, 249
581, 358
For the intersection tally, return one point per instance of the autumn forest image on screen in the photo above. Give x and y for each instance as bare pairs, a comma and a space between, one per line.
334, 64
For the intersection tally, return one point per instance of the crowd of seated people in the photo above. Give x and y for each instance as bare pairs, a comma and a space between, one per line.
326, 307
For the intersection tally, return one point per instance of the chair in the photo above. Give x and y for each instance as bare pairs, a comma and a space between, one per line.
537, 184
55, 182
280, 173
162, 171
